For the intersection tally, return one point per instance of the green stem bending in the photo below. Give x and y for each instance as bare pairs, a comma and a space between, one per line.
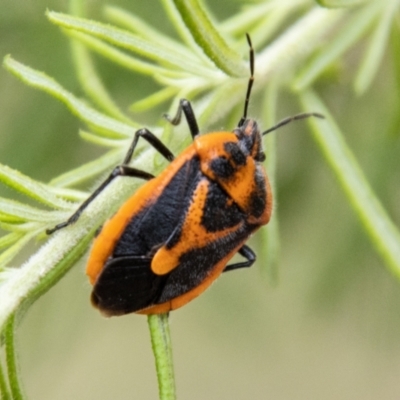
383, 233
162, 349
9, 332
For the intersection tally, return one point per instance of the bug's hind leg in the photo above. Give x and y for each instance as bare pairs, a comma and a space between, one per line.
248, 254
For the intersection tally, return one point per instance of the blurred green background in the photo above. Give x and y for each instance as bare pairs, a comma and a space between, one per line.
329, 328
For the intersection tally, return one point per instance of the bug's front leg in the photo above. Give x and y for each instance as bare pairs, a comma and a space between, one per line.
186, 107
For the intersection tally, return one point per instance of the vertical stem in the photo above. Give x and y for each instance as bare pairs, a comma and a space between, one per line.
270, 234
4, 392
13, 378
162, 349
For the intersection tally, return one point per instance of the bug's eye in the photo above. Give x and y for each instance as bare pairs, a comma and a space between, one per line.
260, 157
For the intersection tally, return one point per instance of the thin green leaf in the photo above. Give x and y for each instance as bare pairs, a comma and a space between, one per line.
340, 3
117, 56
374, 54
92, 84
30, 187
154, 99
189, 83
134, 23
356, 26
11, 219
162, 350
99, 140
21, 212
131, 42
89, 170
183, 31
144, 30
9, 336
9, 239
69, 194
243, 22
87, 73
103, 124
7, 255
208, 38
20, 228
383, 233
255, 15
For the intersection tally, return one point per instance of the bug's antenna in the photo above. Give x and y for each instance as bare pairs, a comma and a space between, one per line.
251, 80
290, 119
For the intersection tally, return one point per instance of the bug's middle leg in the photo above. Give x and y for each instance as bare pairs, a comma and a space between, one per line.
121, 170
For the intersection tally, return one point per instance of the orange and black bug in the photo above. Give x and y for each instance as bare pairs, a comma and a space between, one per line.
177, 233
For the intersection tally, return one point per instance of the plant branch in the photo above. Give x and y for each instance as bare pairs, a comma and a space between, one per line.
162, 349
381, 230
12, 368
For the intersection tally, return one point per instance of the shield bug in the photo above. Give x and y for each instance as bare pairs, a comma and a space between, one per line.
173, 237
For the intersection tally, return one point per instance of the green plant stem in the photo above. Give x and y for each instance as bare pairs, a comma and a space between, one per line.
41, 271
270, 253
383, 233
161, 344
4, 392
13, 378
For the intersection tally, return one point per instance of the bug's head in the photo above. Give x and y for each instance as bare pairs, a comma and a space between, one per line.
248, 132
250, 139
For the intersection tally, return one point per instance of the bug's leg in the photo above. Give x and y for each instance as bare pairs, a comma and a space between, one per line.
186, 107
120, 170
248, 254
153, 140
